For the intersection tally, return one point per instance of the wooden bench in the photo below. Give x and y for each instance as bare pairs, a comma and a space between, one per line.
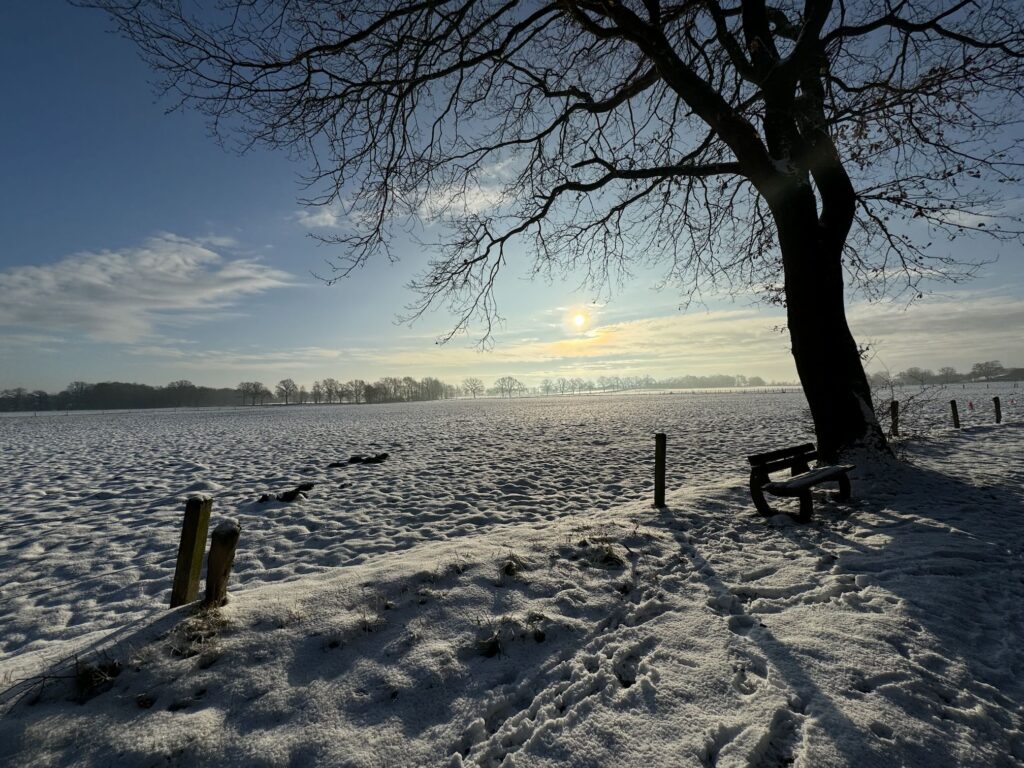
798, 460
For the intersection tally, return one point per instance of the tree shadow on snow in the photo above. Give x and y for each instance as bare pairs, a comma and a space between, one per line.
944, 557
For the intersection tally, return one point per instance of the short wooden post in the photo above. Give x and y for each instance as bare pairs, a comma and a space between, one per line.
956, 414
218, 565
894, 414
190, 550
659, 469
999, 409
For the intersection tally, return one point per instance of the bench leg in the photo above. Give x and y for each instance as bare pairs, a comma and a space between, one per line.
758, 496
844, 488
806, 507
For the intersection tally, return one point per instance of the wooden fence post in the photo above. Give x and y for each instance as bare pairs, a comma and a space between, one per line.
894, 413
190, 550
218, 565
956, 414
659, 469
999, 409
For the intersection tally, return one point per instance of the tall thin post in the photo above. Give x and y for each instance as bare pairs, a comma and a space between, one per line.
218, 565
190, 550
894, 414
659, 469
999, 409
956, 414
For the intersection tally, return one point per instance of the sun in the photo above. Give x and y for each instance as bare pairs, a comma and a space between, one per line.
578, 319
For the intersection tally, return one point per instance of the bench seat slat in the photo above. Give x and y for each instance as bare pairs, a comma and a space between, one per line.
762, 458
780, 464
796, 485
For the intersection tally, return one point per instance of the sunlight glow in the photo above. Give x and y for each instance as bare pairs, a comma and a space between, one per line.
578, 318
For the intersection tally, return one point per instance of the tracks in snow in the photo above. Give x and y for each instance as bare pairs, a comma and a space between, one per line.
620, 656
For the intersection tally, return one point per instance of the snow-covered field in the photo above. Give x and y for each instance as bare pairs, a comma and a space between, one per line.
93, 503
539, 611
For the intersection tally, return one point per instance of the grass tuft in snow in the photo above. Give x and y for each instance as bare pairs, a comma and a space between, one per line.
93, 678
197, 634
510, 568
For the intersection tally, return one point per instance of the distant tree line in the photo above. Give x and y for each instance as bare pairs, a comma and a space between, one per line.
389, 389
990, 370
508, 386
111, 395
573, 386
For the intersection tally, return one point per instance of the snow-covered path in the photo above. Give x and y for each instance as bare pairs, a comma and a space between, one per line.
885, 633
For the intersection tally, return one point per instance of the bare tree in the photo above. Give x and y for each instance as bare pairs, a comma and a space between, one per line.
286, 389
332, 390
433, 389
790, 146
249, 389
473, 386
356, 390
987, 370
914, 375
77, 390
508, 386
411, 389
183, 392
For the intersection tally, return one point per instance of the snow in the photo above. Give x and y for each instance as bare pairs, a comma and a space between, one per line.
509, 596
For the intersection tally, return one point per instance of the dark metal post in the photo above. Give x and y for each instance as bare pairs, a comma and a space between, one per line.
659, 469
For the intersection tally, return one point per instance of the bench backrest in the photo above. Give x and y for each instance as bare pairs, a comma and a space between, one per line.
783, 458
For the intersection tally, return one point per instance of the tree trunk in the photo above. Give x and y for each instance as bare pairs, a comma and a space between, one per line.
827, 359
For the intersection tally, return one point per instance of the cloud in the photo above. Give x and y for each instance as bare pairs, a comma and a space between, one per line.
952, 329
34, 343
253, 359
740, 341
984, 217
955, 329
460, 201
123, 295
11, 340
321, 217
691, 343
452, 199
480, 193
217, 241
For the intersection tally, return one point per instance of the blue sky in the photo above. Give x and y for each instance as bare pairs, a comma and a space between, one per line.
135, 248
